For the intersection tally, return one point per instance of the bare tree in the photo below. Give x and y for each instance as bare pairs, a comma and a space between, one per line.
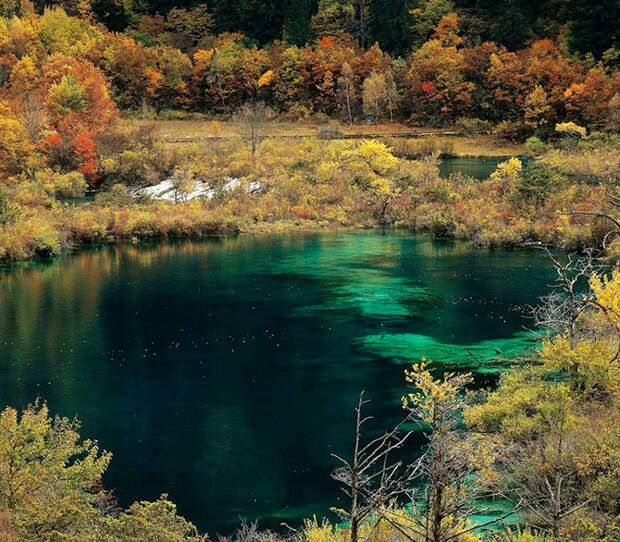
609, 214
371, 479
346, 87
560, 311
250, 532
251, 123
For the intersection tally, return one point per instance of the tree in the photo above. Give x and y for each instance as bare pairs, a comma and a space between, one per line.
391, 93
426, 16
16, 149
296, 27
371, 479
333, 17
572, 134
183, 184
537, 109
592, 26
251, 123
189, 28
375, 171
47, 475
346, 81
560, 311
542, 473
588, 348
374, 93
457, 466
389, 23
50, 487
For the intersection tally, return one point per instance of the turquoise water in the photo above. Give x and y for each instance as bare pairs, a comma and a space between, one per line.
478, 168
224, 372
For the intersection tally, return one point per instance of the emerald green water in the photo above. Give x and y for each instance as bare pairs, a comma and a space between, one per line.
478, 168
223, 372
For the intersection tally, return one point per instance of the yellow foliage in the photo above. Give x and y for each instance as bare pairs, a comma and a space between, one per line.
265, 79
313, 531
508, 170
16, 149
570, 129
433, 396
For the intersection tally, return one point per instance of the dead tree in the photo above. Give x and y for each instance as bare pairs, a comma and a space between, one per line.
610, 215
251, 124
560, 311
371, 479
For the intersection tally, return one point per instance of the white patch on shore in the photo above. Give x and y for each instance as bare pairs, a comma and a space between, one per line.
165, 190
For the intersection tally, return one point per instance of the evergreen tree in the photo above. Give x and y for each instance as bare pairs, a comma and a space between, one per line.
593, 26
389, 23
297, 23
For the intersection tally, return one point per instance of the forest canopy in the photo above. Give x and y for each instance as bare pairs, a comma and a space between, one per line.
396, 25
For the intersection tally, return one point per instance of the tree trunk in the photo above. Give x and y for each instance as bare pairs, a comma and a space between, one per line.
437, 513
349, 106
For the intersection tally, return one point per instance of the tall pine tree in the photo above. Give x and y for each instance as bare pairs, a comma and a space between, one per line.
389, 23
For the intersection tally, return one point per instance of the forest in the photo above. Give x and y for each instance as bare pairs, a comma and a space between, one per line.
336, 115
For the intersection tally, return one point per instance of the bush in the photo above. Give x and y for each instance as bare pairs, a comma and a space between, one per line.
471, 127
535, 145
442, 223
7, 210
46, 243
511, 130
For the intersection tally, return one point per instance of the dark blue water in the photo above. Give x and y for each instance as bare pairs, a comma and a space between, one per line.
224, 372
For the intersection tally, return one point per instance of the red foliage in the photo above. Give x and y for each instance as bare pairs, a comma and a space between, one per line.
428, 87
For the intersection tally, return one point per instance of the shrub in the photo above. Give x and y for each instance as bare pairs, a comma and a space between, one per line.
442, 223
535, 145
511, 130
7, 210
472, 126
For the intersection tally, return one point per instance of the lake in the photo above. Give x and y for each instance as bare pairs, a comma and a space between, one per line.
223, 372
478, 168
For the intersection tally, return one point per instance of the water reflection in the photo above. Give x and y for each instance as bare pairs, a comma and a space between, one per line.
224, 371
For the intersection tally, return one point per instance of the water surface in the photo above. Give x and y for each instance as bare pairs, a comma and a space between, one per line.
223, 372
478, 167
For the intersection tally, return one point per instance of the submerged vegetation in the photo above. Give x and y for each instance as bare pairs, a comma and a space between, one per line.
537, 457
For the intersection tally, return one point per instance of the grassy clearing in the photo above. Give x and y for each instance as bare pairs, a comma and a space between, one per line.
475, 146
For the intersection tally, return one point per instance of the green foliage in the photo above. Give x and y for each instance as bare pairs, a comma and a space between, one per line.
535, 145
48, 476
67, 96
592, 26
536, 183
50, 487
